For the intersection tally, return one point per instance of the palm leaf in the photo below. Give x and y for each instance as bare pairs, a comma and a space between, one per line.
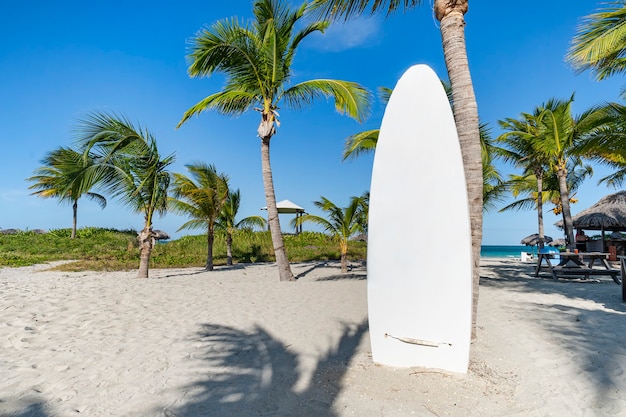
350, 98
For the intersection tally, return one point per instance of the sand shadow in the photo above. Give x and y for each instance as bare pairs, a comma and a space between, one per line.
190, 272
250, 373
592, 337
601, 290
310, 269
35, 409
356, 271
593, 340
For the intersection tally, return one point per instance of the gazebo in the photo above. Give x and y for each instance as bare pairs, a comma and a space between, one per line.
287, 207
609, 213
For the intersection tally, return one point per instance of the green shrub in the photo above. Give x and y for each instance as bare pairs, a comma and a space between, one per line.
110, 249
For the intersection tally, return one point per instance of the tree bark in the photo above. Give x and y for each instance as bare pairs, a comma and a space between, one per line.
451, 15
210, 237
539, 177
229, 248
284, 271
74, 219
567, 214
146, 243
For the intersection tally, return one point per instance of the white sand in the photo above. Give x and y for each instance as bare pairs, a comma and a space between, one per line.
237, 342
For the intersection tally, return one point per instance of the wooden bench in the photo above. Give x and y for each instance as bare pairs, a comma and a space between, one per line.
568, 271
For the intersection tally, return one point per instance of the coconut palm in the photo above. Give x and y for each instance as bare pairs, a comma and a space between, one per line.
62, 176
341, 224
131, 168
257, 59
607, 143
600, 42
519, 138
450, 14
227, 221
560, 132
202, 198
552, 135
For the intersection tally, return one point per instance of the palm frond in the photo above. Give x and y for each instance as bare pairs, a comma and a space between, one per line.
600, 41
346, 9
360, 143
350, 98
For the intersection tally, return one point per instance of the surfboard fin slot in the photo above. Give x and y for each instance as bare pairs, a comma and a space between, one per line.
418, 341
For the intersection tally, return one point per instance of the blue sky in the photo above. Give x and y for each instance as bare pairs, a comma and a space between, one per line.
62, 60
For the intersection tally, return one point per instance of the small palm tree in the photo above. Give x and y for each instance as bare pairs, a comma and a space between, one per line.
257, 59
63, 176
202, 199
341, 224
131, 168
227, 221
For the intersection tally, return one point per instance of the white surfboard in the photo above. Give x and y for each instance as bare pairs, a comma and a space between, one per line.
419, 259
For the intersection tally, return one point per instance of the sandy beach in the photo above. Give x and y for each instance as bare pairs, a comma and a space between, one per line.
237, 342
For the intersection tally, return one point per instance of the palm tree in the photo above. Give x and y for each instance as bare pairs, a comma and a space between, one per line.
342, 223
520, 137
202, 199
600, 42
131, 168
549, 141
257, 59
450, 14
607, 143
62, 176
227, 221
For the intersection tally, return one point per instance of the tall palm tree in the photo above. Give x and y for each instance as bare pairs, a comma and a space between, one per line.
257, 59
450, 14
132, 169
520, 137
342, 223
227, 221
561, 131
548, 141
202, 199
62, 176
600, 42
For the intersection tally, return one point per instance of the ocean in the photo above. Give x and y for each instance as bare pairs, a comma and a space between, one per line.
504, 251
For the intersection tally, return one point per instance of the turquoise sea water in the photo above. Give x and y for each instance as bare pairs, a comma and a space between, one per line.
504, 251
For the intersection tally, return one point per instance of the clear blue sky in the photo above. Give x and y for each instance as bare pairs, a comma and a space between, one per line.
62, 60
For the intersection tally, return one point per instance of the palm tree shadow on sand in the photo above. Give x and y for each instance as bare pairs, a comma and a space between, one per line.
36, 409
253, 374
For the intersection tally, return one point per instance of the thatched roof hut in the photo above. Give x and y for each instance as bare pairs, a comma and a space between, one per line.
607, 214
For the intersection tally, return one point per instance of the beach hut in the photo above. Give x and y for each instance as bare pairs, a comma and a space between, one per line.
287, 207
609, 213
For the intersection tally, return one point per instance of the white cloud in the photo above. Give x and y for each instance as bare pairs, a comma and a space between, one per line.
340, 35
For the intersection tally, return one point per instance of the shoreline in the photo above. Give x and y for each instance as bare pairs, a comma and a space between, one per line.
237, 341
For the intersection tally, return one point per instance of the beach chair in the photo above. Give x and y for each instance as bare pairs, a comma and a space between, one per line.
526, 257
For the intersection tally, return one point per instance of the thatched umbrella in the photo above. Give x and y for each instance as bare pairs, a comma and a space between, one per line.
533, 240
607, 214
557, 242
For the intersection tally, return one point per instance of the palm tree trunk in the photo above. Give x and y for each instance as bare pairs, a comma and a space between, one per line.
567, 214
209, 255
344, 257
74, 219
540, 209
146, 243
229, 248
451, 15
284, 271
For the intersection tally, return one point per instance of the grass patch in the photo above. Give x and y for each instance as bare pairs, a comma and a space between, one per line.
100, 249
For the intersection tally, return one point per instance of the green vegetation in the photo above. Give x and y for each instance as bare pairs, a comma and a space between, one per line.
108, 249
